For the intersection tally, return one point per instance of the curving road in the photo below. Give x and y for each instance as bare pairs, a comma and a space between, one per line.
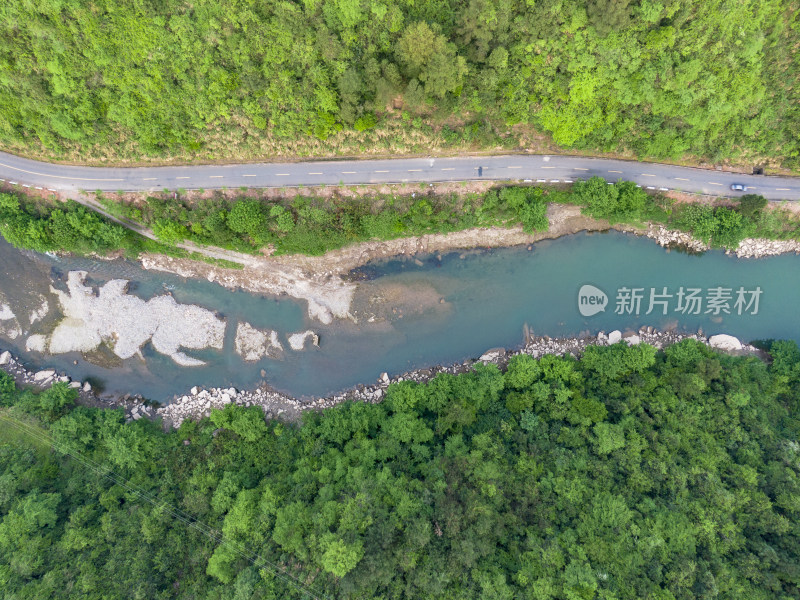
536, 168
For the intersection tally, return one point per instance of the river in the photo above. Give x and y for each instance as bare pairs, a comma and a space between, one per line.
420, 311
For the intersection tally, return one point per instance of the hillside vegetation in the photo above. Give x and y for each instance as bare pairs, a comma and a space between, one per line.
628, 474
236, 79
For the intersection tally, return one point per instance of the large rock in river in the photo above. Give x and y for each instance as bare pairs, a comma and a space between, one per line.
725, 342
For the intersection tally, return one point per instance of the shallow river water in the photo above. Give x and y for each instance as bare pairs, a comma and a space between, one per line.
446, 309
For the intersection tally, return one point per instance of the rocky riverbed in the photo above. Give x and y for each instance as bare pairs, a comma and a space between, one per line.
198, 403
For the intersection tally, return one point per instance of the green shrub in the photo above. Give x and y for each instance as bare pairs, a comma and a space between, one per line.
751, 205
170, 232
248, 217
622, 201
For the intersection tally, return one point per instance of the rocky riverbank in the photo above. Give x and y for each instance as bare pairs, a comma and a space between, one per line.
43, 379
198, 403
748, 247
323, 282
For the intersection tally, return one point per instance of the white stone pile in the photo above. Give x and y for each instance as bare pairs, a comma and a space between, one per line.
672, 238
199, 403
756, 248
748, 247
42, 379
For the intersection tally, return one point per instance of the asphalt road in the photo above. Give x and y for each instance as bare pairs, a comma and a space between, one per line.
534, 168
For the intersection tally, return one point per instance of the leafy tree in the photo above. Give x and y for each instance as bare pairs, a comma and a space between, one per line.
609, 15
54, 401
426, 55
751, 205
340, 558
170, 231
249, 217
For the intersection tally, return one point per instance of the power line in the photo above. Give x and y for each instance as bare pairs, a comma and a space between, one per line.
182, 516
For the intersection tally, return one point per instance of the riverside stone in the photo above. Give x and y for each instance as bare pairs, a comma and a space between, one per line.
493, 354
43, 375
5, 358
614, 336
725, 342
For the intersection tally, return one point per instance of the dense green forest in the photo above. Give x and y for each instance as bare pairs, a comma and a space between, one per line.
211, 79
628, 474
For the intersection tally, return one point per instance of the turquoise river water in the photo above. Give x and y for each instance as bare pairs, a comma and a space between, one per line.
483, 300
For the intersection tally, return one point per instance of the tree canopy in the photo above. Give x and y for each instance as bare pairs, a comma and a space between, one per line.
628, 474
238, 79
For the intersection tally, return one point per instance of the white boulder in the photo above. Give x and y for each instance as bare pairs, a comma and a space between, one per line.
492, 355
725, 342
44, 375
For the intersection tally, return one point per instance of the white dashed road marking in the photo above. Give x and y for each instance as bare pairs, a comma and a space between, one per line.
55, 176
